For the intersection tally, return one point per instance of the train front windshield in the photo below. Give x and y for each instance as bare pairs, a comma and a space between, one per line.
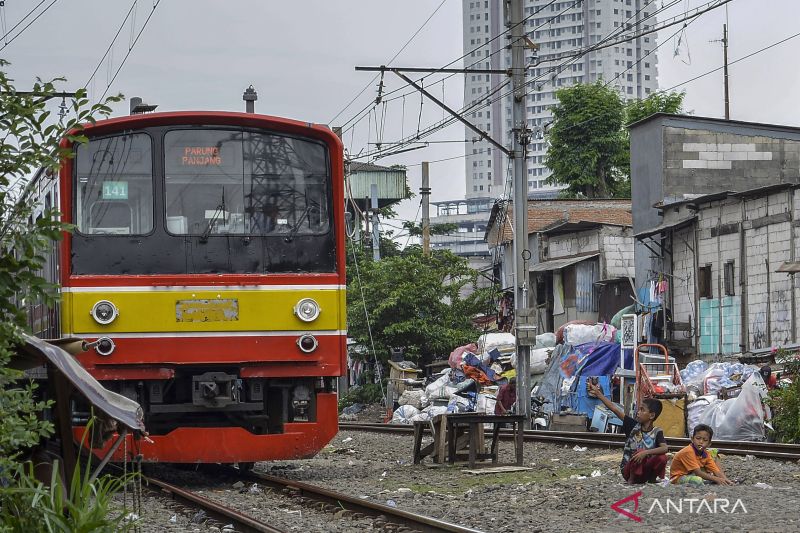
244, 183
202, 200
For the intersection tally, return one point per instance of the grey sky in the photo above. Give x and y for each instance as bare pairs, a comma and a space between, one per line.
201, 54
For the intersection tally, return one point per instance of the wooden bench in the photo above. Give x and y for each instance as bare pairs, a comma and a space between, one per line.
454, 432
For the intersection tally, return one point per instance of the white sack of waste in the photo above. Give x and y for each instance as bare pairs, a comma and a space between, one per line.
504, 342
575, 334
404, 414
538, 360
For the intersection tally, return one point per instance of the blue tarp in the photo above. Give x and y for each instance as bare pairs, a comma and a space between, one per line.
581, 361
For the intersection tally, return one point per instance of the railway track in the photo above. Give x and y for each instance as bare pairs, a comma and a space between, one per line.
338, 505
766, 450
214, 510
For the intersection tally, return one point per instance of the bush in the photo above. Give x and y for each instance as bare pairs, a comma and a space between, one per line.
785, 403
29, 505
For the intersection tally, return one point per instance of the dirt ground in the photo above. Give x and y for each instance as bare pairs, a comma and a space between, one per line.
557, 494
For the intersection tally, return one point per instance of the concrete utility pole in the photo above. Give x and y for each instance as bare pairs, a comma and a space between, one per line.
376, 234
515, 15
725, 61
425, 192
724, 42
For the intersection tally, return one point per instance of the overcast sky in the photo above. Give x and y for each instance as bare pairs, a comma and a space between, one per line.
300, 56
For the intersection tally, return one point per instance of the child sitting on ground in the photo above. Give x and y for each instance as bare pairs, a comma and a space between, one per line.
695, 463
644, 458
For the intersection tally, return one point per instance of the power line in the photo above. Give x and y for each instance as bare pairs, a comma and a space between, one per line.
735, 61
368, 85
130, 48
20, 32
111, 44
360, 115
7, 33
573, 57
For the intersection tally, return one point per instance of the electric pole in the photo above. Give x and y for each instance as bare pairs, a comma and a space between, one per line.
724, 42
515, 10
425, 192
725, 61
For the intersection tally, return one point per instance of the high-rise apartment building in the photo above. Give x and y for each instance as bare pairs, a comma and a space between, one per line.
559, 29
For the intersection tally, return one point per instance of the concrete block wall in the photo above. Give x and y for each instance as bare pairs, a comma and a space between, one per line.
757, 295
682, 283
617, 253
780, 293
702, 161
570, 244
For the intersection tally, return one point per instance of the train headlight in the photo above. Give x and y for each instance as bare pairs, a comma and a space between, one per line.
105, 346
307, 310
104, 312
307, 343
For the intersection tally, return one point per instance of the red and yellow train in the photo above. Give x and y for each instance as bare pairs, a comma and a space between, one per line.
207, 259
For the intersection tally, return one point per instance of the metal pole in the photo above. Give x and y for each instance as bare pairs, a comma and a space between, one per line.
250, 96
376, 234
520, 186
725, 61
425, 192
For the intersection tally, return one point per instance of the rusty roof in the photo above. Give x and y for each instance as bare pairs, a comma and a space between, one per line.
544, 213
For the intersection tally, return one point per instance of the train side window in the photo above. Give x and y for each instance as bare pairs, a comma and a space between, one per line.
114, 186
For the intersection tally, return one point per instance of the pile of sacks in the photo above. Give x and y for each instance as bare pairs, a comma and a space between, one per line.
470, 384
739, 418
700, 378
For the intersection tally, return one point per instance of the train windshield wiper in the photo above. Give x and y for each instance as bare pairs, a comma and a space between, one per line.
219, 211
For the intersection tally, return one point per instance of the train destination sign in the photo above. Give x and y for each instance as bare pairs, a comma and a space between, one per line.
201, 156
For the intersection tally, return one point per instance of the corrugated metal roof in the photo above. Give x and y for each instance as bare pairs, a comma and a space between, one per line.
790, 267
557, 264
665, 226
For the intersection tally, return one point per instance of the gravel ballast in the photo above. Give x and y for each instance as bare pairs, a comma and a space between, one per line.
558, 493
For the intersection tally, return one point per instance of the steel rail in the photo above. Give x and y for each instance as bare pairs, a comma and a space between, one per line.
767, 450
241, 522
416, 522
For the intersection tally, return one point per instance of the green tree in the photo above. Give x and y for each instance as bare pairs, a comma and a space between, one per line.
30, 142
413, 302
589, 145
658, 102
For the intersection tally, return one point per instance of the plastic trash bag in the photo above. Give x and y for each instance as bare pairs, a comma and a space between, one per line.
695, 410
538, 360
502, 341
456, 356
740, 418
404, 414
582, 333
441, 388
545, 340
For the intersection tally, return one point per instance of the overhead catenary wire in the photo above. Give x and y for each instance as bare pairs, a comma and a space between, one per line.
111, 44
368, 85
571, 58
477, 48
28, 25
131, 47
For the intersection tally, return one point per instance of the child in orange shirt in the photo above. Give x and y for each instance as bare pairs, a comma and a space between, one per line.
695, 464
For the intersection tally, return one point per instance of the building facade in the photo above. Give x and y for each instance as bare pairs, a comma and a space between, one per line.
573, 230
558, 29
729, 261
585, 272
713, 217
